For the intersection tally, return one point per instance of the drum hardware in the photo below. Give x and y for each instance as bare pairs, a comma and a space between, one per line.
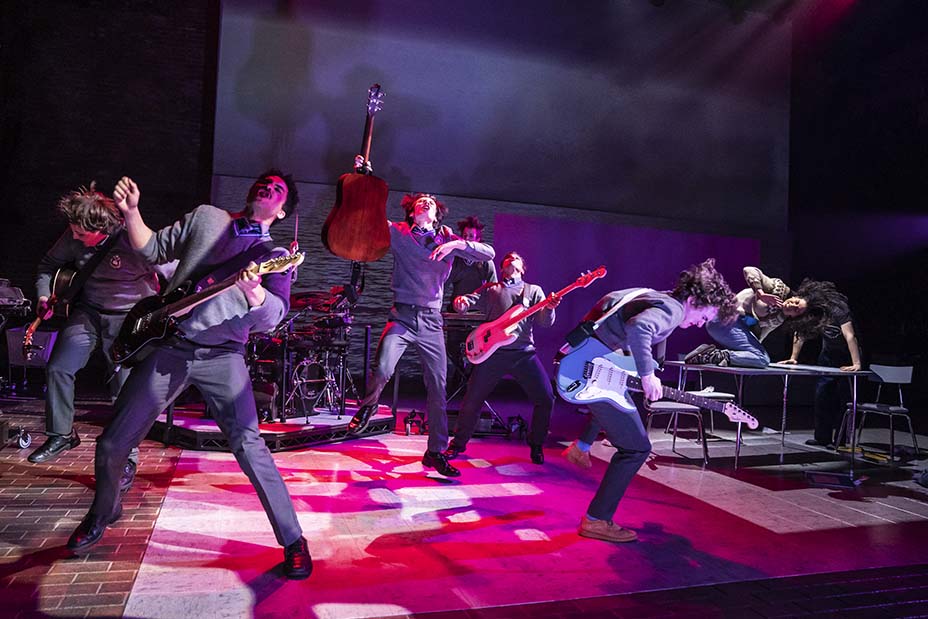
305, 359
416, 419
306, 355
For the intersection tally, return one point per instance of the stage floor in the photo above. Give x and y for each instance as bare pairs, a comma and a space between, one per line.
390, 538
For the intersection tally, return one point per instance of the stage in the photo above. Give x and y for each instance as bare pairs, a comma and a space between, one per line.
390, 538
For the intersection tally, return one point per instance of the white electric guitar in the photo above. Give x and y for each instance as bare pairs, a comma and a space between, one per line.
593, 372
488, 337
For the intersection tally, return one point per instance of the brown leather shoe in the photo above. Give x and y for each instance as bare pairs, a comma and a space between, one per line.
605, 530
577, 457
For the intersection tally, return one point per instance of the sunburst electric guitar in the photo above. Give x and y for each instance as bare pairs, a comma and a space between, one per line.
488, 337
155, 318
593, 372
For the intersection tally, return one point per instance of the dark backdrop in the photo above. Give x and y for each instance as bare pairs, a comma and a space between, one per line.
859, 168
614, 105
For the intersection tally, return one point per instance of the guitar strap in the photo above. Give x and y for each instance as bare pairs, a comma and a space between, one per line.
585, 330
91, 265
254, 254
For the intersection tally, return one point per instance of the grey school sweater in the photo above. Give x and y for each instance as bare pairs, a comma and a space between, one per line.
203, 241
643, 322
417, 280
120, 280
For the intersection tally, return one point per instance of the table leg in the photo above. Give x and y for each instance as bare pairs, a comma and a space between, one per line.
852, 422
783, 417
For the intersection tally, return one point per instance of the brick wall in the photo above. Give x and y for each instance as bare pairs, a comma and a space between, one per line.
95, 90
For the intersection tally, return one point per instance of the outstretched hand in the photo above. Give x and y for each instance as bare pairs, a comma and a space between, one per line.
770, 300
126, 194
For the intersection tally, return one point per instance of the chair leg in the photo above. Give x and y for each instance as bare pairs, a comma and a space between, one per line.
649, 422
892, 436
860, 426
675, 418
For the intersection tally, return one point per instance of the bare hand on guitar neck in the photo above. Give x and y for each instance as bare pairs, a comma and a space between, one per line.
249, 282
652, 388
45, 307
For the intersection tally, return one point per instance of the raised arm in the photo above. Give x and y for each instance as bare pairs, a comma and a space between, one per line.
126, 194
770, 290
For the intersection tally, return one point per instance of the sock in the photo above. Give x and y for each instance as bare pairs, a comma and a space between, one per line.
589, 517
583, 446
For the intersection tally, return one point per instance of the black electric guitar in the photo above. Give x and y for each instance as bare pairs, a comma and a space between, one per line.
593, 372
155, 318
64, 288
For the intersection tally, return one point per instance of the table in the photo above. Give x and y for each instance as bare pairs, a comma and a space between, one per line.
786, 371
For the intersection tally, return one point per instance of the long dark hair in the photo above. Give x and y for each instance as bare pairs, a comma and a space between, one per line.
823, 302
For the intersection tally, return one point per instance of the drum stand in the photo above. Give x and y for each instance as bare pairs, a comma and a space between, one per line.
329, 389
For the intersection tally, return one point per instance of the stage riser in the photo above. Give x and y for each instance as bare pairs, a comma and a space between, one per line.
200, 440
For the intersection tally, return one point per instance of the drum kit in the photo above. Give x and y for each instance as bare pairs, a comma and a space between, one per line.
300, 368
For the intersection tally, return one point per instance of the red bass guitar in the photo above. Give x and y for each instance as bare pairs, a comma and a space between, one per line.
488, 337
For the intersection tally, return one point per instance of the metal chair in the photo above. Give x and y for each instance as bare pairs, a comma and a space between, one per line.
889, 375
675, 409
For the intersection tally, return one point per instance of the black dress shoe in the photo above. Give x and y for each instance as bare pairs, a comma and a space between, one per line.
91, 529
817, 443
361, 419
53, 447
298, 565
454, 450
127, 477
438, 461
538, 454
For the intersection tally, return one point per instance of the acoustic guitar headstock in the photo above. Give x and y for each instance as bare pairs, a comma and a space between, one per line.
374, 100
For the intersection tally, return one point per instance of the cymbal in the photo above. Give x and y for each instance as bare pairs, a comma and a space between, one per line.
319, 300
